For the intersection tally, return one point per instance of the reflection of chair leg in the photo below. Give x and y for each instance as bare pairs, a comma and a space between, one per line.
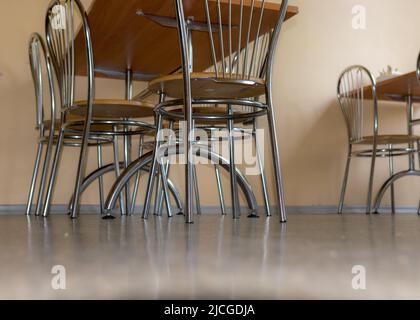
34, 178
151, 180
53, 175
100, 179
233, 182
261, 168
117, 174
391, 173
345, 180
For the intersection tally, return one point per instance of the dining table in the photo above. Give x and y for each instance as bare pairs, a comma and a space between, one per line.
138, 40
404, 89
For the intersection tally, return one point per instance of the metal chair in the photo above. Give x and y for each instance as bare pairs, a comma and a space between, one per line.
356, 83
121, 118
48, 129
242, 73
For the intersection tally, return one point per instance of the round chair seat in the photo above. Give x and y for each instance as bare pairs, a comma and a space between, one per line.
389, 139
114, 109
207, 86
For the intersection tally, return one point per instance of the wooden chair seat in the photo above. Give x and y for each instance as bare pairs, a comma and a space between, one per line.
199, 111
207, 86
114, 109
394, 139
94, 128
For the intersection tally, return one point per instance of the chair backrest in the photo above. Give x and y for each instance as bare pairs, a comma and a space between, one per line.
63, 20
356, 92
38, 58
37, 53
233, 54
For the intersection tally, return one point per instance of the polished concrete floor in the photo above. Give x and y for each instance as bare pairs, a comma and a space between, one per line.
310, 257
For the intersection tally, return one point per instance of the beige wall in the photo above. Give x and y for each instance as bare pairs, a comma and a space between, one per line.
315, 46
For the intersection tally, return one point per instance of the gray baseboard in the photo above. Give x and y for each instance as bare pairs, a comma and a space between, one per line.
94, 209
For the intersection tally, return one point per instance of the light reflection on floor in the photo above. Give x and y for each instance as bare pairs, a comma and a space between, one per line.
309, 257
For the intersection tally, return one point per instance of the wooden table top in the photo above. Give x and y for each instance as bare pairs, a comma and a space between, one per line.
397, 88
122, 39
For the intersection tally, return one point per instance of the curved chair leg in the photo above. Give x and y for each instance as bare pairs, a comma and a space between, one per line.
147, 159
391, 173
53, 176
261, 168
34, 178
233, 182
153, 169
370, 188
345, 180
389, 182
277, 166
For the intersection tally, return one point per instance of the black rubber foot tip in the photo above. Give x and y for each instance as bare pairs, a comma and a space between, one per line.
180, 213
108, 218
284, 221
253, 216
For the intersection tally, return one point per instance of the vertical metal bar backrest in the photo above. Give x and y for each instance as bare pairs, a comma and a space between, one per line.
355, 85
233, 54
61, 25
418, 68
37, 53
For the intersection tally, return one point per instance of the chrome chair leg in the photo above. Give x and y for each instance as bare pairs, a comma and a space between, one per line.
418, 155
34, 178
371, 177
233, 182
277, 166
345, 180
219, 183
100, 179
53, 175
159, 193
261, 168
153, 168
196, 191
138, 176
44, 174
117, 174
158, 198
165, 188
127, 160
391, 173
220, 189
